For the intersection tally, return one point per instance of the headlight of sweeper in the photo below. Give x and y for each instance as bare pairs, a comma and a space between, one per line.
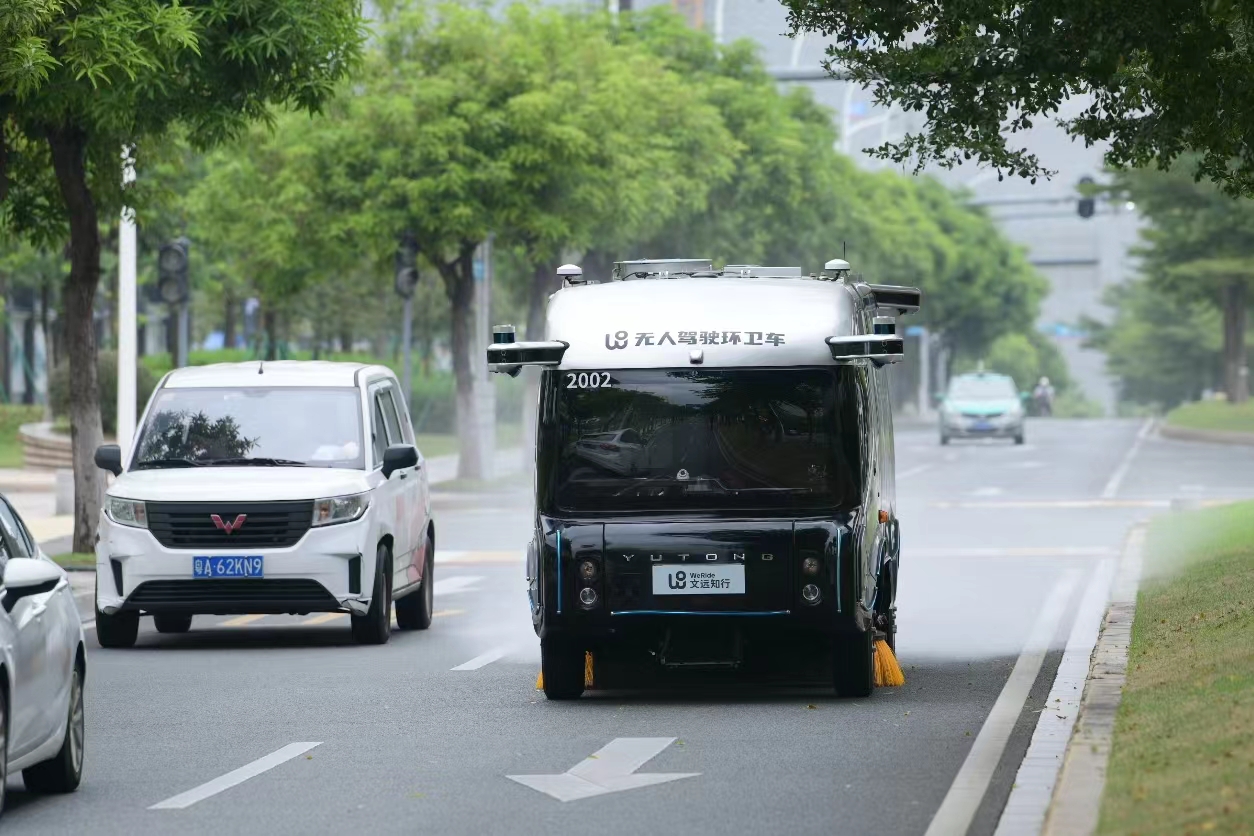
130, 512
340, 509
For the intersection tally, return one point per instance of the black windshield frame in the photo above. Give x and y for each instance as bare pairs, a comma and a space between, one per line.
721, 413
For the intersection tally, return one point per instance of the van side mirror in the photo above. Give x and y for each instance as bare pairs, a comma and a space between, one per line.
938, 398
398, 457
109, 457
28, 576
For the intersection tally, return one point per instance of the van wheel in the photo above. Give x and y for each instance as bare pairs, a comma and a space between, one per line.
172, 623
944, 439
117, 630
562, 664
1019, 438
64, 771
414, 611
375, 627
853, 664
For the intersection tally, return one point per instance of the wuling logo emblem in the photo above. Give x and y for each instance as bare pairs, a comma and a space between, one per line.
229, 527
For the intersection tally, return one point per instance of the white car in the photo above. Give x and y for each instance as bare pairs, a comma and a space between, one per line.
277, 487
43, 665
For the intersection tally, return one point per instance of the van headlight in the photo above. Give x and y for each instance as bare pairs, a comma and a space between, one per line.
130, 512
340, 509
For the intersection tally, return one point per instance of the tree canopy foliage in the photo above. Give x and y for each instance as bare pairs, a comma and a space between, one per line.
1158, 80
93, 77
1198, 247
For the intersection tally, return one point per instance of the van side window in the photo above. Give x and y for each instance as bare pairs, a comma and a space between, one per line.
390, 419
378, 432
407, 427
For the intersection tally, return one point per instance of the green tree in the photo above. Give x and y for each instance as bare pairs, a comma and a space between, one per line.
552, 135
1163, 349
1199, 244
125, 73
1161, 79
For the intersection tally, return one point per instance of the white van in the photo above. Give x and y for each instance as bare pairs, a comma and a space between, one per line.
278, 487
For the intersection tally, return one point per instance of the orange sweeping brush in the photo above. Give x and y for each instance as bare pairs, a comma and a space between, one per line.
587, 673
887, 671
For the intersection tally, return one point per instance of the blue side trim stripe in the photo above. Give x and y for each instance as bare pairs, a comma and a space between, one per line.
840, 542
559, 573
691, 612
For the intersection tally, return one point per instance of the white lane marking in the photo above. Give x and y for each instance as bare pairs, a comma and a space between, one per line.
478, 557
954, 816
89, 625
1024, 814
457, 583
483, 659
1030, 551
230, 779
612, 768
1116, 478
914, 471
987, 492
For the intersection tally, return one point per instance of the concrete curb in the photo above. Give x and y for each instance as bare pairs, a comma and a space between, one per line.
1077, 798
1212, 436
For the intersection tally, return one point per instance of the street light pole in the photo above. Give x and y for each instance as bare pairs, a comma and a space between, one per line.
127, 320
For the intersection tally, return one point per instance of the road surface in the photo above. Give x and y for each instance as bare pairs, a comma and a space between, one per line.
280, 724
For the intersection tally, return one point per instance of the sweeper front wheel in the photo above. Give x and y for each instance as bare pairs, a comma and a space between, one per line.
853, 664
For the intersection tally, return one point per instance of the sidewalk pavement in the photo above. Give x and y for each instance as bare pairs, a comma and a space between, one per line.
32, 494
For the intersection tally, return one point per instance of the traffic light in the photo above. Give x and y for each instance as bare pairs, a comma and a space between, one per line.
1087, 204
406, 266
172, 286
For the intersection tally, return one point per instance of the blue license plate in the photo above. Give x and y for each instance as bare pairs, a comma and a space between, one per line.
983, 425
228, 567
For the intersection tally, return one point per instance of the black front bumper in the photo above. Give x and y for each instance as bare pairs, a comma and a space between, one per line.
231, 596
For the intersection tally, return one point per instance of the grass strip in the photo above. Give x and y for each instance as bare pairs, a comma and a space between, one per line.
1214, 415
76, 560
1182, 759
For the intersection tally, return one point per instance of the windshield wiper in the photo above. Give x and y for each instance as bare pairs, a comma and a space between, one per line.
152, 464
260, 461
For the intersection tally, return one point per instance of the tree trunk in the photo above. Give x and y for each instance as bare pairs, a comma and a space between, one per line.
230, 310
69, 151
270, 324
459, 284
1236, 363
346, 339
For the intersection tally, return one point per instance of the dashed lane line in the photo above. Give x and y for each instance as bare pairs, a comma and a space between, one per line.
1116, 478
324, 618
240, 621
238, 776
483, 659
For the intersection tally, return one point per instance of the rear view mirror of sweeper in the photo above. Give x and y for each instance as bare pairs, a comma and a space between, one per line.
714, 476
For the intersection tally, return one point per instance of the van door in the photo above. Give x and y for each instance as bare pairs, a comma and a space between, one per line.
413, 493
390, 493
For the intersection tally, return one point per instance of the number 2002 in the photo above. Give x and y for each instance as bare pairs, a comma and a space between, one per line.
587, 380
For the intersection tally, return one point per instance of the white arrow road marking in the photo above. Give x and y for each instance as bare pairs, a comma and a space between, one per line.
611, 769
457, 583
230, 779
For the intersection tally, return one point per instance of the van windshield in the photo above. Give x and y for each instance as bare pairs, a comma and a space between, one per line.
737, 439
252, 426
